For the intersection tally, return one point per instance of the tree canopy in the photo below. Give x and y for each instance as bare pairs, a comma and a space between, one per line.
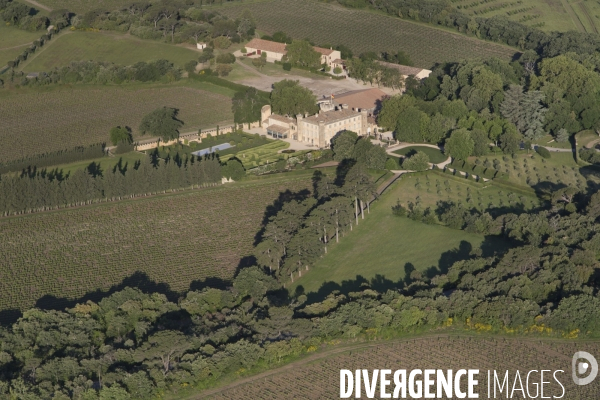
161, 122
289, 98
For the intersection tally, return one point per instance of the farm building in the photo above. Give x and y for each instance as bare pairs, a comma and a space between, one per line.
318, 129
201, 46
274, 51
407, 71
329, 56
366, 99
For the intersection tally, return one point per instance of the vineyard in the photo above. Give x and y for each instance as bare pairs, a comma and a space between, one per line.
83, 6
174, 240
100, 46
65, 118
549, 15
318, 377
364, 31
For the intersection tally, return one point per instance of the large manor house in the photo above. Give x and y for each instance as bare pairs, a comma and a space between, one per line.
354, 111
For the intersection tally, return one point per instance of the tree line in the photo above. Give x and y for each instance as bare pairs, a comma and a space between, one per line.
40, 190
79, 153
134, 345
99, 72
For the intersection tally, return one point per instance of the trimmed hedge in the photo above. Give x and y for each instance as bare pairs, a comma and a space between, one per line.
542, 151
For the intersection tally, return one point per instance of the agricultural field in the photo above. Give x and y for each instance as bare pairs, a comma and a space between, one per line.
168, 243
435, 155
365, 31
318, 376
13, 41
103, 46
66, 117
426, 248
534, 171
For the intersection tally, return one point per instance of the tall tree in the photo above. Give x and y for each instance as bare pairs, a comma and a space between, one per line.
162, 122
289, 98
246, 106
302, 53
459, 145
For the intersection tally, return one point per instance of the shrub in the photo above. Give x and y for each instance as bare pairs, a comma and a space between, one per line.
542, 151
226, 58
287, 66
224, 69
391, 163
417, 162
398, 210
337, 70
221, 42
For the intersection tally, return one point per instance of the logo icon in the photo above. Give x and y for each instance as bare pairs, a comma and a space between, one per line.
579, 368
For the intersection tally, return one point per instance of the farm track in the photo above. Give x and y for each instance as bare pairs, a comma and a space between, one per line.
576, 20
585, 10
38, 5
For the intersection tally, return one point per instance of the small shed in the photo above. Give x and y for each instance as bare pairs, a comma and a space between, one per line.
201, 46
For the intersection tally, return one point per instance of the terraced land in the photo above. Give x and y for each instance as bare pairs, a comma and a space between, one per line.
57, 118
318, 377
166, 243
365, 31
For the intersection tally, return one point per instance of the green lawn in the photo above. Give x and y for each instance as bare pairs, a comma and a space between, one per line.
106, 163
13, 41
101, 46
384, 247
435, 155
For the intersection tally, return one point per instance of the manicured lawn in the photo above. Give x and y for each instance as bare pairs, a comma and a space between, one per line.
548, 141
265, 154
110, 47
383, 248
435, 155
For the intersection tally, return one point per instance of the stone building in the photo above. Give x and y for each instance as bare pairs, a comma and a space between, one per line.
318, 129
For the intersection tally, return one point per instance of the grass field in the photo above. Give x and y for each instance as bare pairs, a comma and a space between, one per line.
103, 46
365, 31
174, 240
384, 245
435, 155
56, 118
318, 376
83, 6
13, 41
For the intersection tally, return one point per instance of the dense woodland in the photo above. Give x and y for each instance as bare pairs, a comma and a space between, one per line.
469, 105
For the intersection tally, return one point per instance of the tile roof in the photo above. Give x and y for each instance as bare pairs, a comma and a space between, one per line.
278, 129
323, 51
331, 116
365, 98
404, 69
267, 45
281, 118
